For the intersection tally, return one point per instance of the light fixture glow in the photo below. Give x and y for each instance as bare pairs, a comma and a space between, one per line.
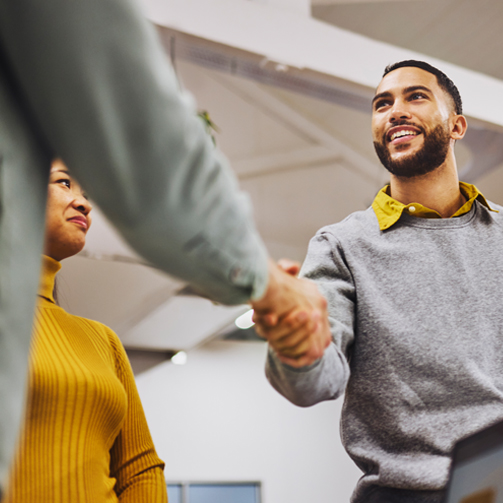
245, 320
179, 358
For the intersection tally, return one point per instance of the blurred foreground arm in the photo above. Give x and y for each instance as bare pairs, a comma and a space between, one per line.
101, 92
89, 82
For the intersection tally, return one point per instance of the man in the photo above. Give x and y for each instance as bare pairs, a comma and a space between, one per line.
414, 291
89, 82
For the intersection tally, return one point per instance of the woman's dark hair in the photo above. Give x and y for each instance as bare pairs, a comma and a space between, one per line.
443, 81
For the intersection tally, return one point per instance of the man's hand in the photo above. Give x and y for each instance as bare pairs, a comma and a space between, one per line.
292, 316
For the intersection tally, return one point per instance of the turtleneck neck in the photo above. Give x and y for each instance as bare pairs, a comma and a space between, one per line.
50, 267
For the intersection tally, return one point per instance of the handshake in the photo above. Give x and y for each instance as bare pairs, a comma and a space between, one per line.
292, 316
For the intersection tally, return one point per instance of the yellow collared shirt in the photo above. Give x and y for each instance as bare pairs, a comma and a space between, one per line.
389, 210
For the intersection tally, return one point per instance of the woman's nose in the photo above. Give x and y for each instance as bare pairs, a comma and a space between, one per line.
82, 203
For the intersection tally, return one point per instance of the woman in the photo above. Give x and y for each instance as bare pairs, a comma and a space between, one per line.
85, 438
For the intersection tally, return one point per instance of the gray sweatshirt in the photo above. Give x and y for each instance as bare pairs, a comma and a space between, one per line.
416, 317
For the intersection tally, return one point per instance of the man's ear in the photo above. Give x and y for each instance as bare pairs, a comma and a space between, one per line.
458, 126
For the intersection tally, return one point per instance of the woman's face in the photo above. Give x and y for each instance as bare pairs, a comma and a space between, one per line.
67, 215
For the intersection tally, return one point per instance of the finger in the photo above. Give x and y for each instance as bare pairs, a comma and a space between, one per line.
295, 328
265, 319
261, 332
286, 327
295, 344
310, 350
302, 346
291, 267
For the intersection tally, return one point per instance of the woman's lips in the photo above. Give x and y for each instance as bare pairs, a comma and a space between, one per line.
82, 221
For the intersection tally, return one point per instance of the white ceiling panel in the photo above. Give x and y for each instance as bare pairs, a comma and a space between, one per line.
467, 33
246, 129
181, 323
117, 293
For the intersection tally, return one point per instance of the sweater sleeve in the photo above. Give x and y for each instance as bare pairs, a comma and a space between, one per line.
327, 378
98, 86
133, 460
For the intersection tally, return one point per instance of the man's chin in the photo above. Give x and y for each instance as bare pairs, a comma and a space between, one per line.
401, 157
403, 150
420, 156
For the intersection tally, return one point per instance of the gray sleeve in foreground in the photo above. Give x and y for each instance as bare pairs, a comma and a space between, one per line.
327, 378
104, 96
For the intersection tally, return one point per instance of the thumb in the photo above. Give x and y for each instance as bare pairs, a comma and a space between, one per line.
291, 267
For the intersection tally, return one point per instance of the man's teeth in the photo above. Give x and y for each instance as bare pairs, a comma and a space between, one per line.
399, 134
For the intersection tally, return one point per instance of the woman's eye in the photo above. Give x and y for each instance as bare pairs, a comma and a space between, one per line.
65, 182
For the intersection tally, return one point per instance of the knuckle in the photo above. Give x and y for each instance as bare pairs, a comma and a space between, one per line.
290, 323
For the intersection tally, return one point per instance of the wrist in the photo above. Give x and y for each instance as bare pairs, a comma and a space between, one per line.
265, 302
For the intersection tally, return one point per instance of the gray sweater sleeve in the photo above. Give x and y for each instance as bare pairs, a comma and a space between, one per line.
327, 378
98, 88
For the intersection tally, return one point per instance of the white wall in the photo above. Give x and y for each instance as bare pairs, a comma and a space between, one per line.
218, 419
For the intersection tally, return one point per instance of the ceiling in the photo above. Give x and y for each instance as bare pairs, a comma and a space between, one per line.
300, 146
468, 33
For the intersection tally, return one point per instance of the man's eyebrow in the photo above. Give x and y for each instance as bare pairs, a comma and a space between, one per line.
410, 89
385, 94
407, 90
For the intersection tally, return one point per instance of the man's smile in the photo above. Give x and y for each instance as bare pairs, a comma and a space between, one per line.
402, 134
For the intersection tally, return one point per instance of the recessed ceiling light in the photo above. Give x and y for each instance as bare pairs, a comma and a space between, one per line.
179, 358
245, 320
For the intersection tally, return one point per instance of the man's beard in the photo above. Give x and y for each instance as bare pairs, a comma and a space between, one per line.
432, 154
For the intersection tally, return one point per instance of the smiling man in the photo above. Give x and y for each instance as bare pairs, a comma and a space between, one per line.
414, 291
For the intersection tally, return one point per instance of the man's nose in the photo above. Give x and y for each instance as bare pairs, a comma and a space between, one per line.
399, 112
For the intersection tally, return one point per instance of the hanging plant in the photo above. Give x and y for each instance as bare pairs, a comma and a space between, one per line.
209, 125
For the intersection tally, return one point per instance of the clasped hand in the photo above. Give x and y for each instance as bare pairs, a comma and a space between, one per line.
292, 316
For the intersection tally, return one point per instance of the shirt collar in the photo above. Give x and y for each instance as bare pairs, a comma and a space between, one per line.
388, 210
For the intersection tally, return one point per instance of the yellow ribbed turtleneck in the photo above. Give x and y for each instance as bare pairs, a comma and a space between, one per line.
85, 438
50, 268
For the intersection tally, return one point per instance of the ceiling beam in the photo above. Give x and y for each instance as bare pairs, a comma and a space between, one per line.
283, 161
339, 2
303, 126
174, 326
300, 42
302, 7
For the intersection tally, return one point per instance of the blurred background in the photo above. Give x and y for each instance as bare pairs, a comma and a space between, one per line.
288, 84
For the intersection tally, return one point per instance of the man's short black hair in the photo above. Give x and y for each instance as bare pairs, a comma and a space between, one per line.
443, 81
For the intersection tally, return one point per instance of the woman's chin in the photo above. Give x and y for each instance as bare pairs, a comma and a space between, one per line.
63, 251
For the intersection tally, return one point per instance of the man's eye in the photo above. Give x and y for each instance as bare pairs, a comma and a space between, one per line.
418, 96
381, 104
